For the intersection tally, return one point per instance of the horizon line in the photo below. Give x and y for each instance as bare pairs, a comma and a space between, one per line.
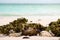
33, 3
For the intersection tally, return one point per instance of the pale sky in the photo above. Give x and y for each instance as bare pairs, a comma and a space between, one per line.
29, 1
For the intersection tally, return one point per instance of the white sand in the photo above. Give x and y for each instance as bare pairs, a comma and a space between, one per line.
30, 38
44, 20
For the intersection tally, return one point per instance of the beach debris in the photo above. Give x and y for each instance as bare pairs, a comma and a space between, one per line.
1, 35
30, 31
45, 34
11, 31
26, 37
51, 33
15, 34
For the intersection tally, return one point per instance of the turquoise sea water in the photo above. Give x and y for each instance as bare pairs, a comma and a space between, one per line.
29, 9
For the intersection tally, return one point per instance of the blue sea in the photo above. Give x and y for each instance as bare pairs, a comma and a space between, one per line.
29, 9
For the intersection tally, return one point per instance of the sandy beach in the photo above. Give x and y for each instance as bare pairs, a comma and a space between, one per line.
29, 19
30, 38
44, 20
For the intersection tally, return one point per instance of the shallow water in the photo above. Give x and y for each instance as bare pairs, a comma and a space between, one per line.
29, 9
